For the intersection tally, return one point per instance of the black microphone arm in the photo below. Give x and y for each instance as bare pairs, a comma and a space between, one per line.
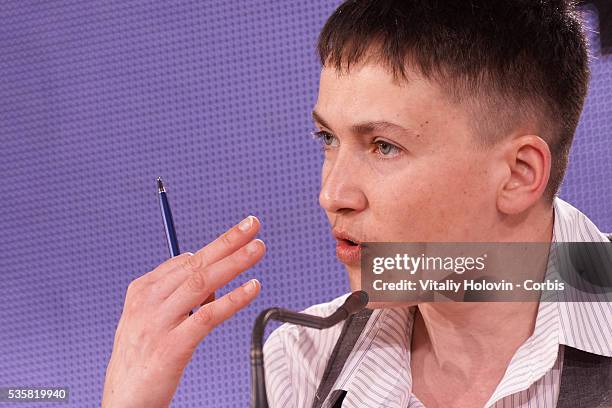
355, 302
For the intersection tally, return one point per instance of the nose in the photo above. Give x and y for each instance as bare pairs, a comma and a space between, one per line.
341, 186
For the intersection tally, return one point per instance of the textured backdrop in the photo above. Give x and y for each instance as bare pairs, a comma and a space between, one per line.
98, 99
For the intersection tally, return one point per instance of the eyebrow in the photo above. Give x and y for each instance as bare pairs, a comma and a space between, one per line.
365, 128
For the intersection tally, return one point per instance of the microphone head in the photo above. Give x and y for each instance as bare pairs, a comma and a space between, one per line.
355, 302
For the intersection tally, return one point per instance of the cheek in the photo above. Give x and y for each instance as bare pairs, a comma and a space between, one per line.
401, 205
431, 201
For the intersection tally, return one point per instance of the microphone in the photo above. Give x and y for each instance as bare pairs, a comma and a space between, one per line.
355, 302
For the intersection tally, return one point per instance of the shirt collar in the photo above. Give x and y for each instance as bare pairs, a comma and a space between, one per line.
581, 325
384, 348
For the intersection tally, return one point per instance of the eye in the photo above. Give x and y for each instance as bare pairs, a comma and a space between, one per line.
386, 149
325, 138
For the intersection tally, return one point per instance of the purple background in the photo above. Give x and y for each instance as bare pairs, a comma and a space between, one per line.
98, 99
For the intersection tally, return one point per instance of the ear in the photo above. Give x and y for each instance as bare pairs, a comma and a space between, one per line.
528, 159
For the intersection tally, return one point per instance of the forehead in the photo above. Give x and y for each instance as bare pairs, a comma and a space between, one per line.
370, 92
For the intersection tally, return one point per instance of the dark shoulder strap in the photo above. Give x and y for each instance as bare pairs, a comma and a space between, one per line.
586, 380
353, 326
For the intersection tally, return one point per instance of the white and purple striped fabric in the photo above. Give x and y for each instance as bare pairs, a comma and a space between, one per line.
377, 373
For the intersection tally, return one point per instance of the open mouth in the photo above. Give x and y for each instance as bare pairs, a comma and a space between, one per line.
349, 242
349, 252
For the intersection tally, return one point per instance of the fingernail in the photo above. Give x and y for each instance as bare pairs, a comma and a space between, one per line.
251, 248
250, 286
246, 224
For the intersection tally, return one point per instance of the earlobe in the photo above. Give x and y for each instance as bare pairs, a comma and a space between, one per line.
528, 160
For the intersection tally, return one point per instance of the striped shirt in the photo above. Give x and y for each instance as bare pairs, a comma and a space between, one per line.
377, 372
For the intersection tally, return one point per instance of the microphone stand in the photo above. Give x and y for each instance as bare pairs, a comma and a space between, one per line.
355, 302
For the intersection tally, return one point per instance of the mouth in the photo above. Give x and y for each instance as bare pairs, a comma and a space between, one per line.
349, 242
348, 248
341, 235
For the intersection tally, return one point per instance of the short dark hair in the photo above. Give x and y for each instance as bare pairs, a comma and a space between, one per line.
510, 60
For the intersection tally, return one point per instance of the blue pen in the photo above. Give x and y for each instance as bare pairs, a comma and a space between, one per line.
164, 205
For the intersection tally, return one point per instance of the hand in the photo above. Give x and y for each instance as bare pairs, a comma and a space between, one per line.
155, 337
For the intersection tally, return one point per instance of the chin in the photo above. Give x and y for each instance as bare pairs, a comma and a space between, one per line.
356, 285
354, 275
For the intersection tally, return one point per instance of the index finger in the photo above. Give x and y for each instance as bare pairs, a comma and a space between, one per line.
224, 245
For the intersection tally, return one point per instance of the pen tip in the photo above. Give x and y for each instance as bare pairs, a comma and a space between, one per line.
160, 185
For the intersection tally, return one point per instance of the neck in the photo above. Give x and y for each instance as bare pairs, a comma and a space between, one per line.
461, 336
466, 334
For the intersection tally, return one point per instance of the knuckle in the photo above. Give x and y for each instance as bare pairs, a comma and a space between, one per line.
135, 301
227, 240
134, 287
234, 298
184, 257
138, 294
197, 282
192, 263
204, 258
204, 316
